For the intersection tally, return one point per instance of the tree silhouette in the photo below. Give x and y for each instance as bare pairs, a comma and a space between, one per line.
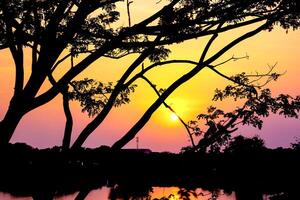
258, 104
56, 31
241, 144
296, 145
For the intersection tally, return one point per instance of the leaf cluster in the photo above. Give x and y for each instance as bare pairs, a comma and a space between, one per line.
27, 21
93, 95
257, 104
96, 30
198, 16
255, 107
159, 53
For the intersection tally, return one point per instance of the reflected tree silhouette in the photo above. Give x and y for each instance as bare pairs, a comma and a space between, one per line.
82, 194
248, 194
134, 191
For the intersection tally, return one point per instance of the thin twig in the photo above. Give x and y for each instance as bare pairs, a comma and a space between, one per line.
128, 2
233, 58
120, 56
187, 127
146, 69
212, 67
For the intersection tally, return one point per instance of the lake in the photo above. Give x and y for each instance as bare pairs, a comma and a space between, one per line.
173, 193
156, 193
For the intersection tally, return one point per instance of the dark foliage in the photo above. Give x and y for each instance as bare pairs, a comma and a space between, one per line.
257, 103
93, 95
255, 170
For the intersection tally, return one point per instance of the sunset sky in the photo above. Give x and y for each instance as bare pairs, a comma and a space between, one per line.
44, 126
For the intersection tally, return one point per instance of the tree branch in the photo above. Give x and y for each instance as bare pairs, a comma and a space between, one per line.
69, 120
60, 61
238, 40
128, 2
34, 56
147, 115
52, 92
155, 16
118, 88
230, 59
98, 53
19, 63
209, 43
72, 73
68, 115
140, 74
188, 36
227, 77
17, 53
120, 56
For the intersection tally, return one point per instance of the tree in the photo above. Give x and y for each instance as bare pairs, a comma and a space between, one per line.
58, 30
241, 144
296, 145
257, 104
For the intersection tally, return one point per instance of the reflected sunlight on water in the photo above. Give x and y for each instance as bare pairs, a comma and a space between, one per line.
6, 196
174, 194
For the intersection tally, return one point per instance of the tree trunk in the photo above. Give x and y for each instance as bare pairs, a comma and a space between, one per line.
10, 123
69, 121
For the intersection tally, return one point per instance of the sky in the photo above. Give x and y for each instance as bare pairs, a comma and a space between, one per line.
44, 126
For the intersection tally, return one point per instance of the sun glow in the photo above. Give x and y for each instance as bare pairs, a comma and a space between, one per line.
174, 117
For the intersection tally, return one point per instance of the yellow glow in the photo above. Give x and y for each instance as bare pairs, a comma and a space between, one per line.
174, 117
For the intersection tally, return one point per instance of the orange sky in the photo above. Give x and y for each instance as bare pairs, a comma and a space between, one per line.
44, 126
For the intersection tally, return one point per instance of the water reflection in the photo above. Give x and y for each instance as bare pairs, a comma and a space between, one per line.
120, 193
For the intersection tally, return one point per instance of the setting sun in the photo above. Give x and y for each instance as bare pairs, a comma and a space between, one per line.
174, 117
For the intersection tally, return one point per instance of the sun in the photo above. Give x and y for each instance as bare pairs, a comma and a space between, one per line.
174, 117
